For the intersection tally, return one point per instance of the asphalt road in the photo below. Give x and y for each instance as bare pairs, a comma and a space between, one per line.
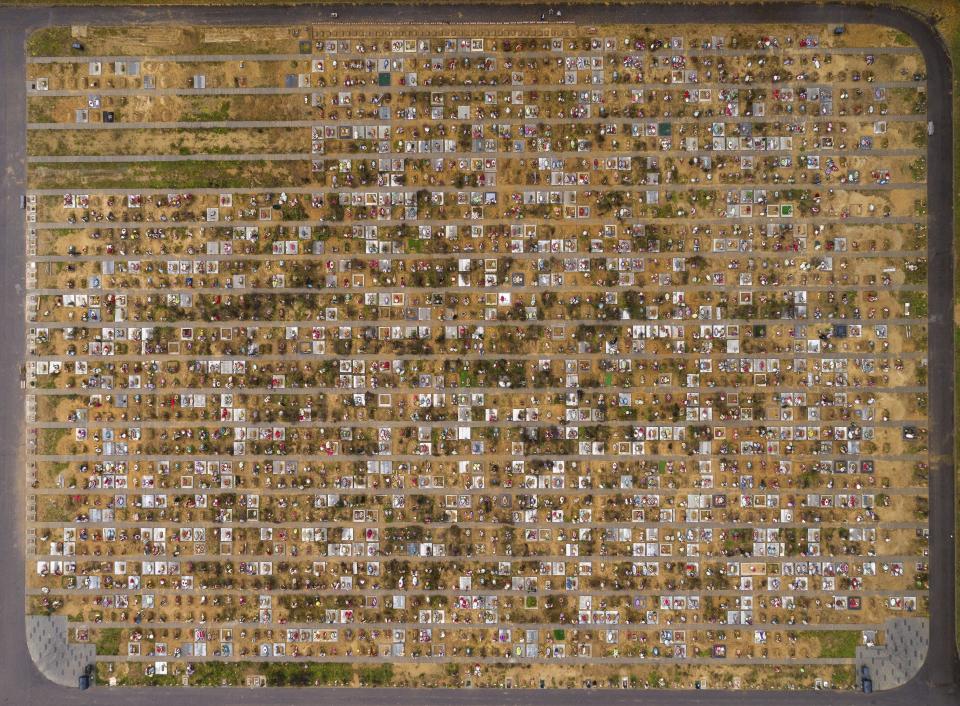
937, 681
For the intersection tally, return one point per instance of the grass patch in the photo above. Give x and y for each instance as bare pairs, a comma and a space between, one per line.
52, 41
56, 468
917, 302
38, 110
381, 675
918, 275
218, 673
153, 143
221, 113
108, 641
50, 438
170, 175
842, 678
834, 644
316, 673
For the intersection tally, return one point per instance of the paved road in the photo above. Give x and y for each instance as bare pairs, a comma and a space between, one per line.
235, 190
460, 290
418, 458
476, 254
400, 424
375, 88
867, 221
937, 681
55, 159
560, 355
486, 591
440, 525
565, 661
312, 389
438, 154
306, 323
235, 124
219, 58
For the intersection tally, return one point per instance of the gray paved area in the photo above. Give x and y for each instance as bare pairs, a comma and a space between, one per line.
70, 159
234, 124
899, 658
57, 659
217, 58
276, 90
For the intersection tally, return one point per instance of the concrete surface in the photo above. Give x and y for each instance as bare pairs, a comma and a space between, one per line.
57, 659
900, 657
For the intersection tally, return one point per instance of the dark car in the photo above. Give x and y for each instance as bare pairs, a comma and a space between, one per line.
86, 679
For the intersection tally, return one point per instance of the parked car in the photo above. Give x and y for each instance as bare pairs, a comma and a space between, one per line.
86, 679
